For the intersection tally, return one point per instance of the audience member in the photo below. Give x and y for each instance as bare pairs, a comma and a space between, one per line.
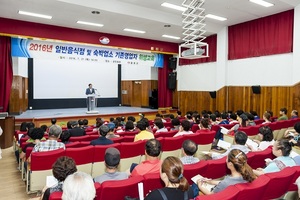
224, 119
267, 118
240, 172
250, 119
161, 117
240, 139
152, 162
265, 139
254, 113
79, 186
65, 136
281, 149
51, 143
159, 125
176, 185
176, 124
282, 113
44, 128
111, 133
61, 169
184, 128
294, 134
129, 126
80, 124
143, 134
233, 118
23, 127
76, 131
204, 124
294, 114
85, 123
178, 114
112, 161
189, 148
213, 120
102, 140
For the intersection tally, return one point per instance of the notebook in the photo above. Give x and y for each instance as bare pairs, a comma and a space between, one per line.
208, 186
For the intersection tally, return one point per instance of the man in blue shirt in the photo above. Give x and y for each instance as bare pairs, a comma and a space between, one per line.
102, 140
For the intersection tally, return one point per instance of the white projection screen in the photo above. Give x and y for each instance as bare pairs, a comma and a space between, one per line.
67, 79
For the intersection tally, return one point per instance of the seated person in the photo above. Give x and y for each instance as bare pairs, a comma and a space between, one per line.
111, 133
189, 148
294, 134
283, 116
266, 138
184, 128
61, 169
152, 162
76, 130
65, 136
240, 172
79, 186
176, 123
294, 114
204, 124
129, 126
233, 118
281, 149
267, 118
240, 139
224, 119
51, 143
159, 125
112, 161
143, 134
251, 121
102, 140
176, 185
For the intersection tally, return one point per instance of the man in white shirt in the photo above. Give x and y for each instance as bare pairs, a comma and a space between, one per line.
184, 128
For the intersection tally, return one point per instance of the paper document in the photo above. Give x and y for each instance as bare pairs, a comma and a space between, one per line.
224, 130
293, 154
51, 181
252, 143
208, 186
223, 144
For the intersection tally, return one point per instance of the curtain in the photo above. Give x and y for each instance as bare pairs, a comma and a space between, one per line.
6, 72
164, 94
265, 36
212, 52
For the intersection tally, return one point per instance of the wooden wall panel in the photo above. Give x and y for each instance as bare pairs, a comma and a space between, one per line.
241, 97
18, 102
126, 98
145, 93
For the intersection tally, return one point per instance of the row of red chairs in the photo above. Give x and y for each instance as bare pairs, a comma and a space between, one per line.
213, 169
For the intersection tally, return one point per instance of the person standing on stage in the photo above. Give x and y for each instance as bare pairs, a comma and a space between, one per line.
90, 90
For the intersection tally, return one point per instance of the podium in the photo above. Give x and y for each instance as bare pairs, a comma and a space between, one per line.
91, 103
8, 126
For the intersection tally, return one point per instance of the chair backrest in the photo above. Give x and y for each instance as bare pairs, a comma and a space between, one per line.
83, 157
44, 160
128, 138
255, 189
73, 144
216, 168
293, 186
152, 182
165, 134
99, 151
28, 151
192, 170
257, 159
117, 139
202, 137
131, 149
80, 138
172, 143
279, 183
195, 128
116, 190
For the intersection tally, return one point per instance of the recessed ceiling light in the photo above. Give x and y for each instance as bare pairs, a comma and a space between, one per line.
167, 25
35, 14
173, 6
89, 23
215, 17
95, 12
262, 3
133, 30
172, 37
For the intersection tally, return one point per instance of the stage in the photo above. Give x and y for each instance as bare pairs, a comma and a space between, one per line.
40, 117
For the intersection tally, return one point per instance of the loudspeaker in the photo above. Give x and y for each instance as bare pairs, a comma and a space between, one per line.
256, 89
172, 81
213, 94
172, 63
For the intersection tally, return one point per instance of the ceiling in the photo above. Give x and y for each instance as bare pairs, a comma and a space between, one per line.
146, 15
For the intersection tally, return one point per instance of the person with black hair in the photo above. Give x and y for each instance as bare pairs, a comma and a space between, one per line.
254, 113
283, 114
293, 134
233, 118
178, 113
102, 140
294, 114
267, 118
129, 126
65, 136
44, 127
80, 123
189, 148
53, 121
143, 134
76, 131
61, 169
251, 121
176, 124
213, 119
90, 90
85, 123
265, 139
176, 185
240, 172
159, 125
281, 149
184, 128
23, 127
204, 124
224, 119
111, 133
240, 139
152, 162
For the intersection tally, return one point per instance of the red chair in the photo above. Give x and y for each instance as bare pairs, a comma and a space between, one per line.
152, 182
293, 186
80, 138
279, 183
216, 168
165, 134
172, 146
255, 190
41, 167
73, 144
129, 133
230, 193
131, 152
92, 133
128, 138
83, 157
194, 169
195, 128
203, 139
259, 121
98, 159
117, 139
117, 190
257, 159
168, 124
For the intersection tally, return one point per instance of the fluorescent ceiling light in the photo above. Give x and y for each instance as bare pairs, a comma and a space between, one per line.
34, 14
172, 37
215, 17
262, 3
89, 23
133, 30
173, 6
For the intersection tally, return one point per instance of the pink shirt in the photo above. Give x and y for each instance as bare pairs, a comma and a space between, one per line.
146, 167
